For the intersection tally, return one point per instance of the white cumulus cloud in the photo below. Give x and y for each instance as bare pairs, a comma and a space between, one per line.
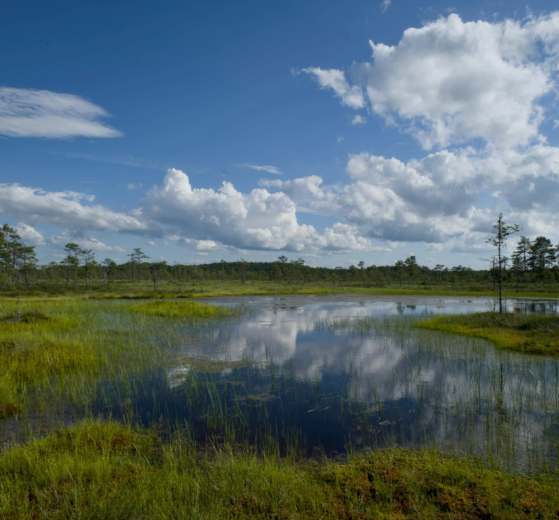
66, 209
481, 85
351, 95
205, 245
255, 220
452, 81
30, 234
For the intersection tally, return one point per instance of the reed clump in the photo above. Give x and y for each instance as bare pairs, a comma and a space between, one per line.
528, 333
182, 309
33, 347
105, 470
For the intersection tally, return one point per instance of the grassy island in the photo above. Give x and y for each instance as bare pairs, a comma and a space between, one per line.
529, 333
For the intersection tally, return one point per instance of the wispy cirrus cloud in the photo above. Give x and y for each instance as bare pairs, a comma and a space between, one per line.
260, 168
52, 115
126, 160
385, 5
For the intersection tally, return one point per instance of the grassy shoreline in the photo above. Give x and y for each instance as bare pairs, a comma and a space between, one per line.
53, 339
527, 333
36, 348
139, 290
287, 292
105, 470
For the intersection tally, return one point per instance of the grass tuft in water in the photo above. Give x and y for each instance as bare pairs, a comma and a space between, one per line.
528, 333
166, 309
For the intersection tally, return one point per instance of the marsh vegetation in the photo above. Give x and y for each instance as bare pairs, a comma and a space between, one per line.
530, 333
234, 406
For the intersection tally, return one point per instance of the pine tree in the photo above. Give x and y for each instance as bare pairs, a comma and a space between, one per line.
72, 261
88, 257
138, 256
9, 251
28, 257
542, 254
520, 256
499, 240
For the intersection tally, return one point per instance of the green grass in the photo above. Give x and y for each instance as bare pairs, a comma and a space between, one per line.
124, 289
36, 348
527, 333
257, 289
104, 470
188, 310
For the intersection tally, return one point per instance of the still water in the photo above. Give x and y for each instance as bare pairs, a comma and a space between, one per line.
343, 374
328, 375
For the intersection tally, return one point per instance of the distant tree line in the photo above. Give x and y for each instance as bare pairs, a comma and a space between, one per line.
531, 262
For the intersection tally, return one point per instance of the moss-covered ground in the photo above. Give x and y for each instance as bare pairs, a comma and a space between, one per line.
104, 470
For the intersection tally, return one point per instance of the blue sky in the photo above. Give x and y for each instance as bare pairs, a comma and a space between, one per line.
120, 122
